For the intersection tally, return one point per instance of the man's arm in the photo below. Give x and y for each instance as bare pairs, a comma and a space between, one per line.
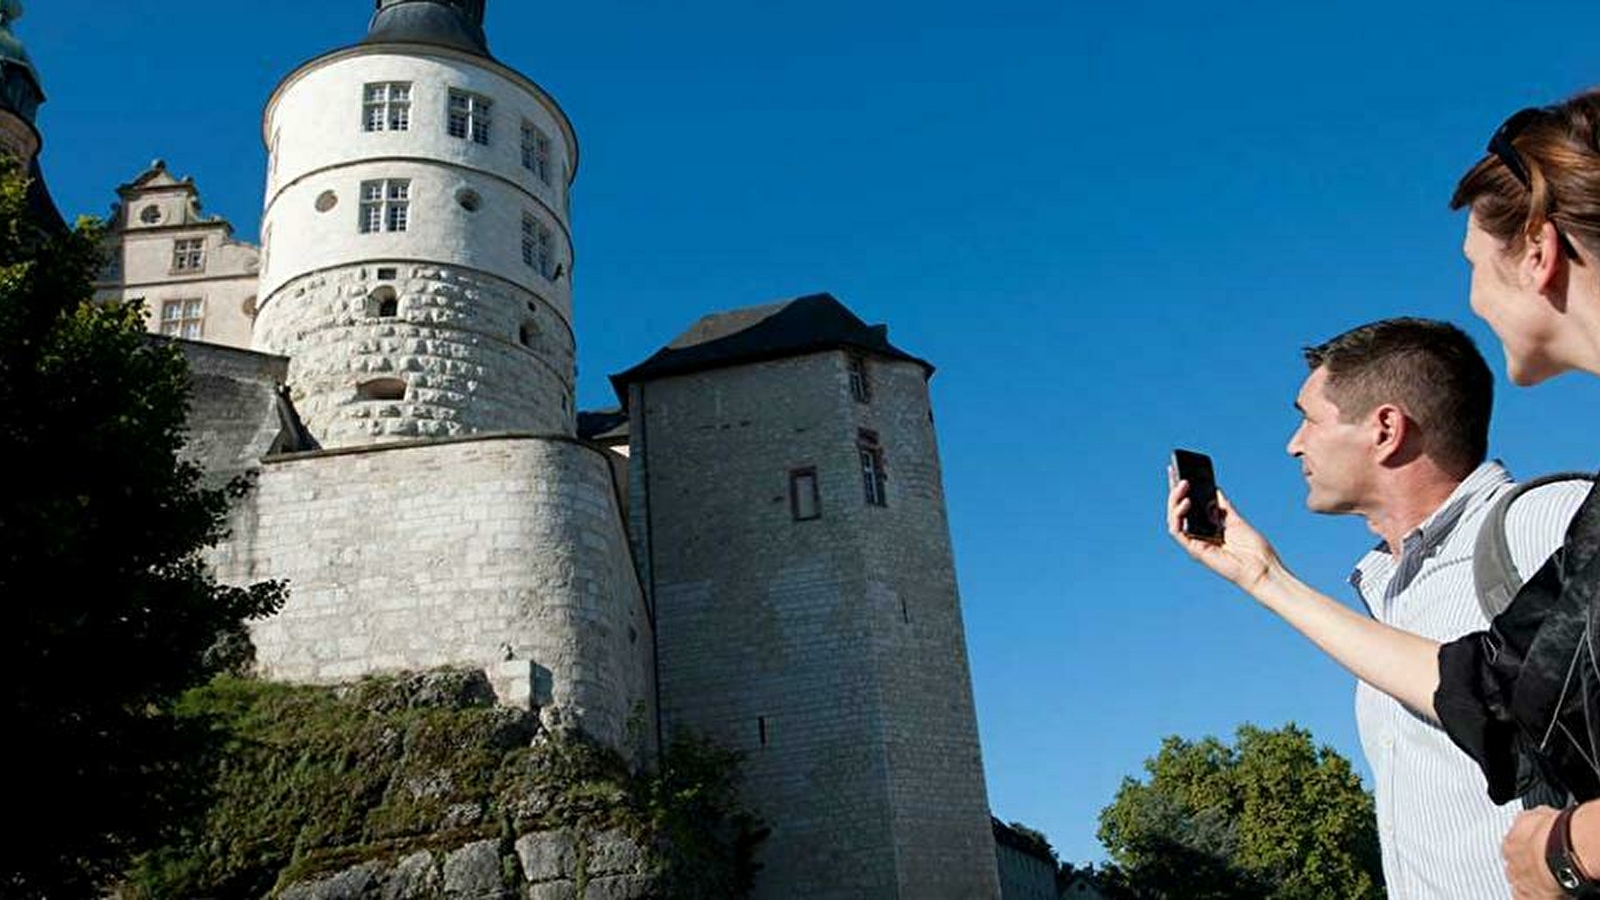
1399, 663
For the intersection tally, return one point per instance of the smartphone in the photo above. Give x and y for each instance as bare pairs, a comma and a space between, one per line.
1195, 468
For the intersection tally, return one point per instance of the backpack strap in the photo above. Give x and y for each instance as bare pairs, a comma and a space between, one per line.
1494, 571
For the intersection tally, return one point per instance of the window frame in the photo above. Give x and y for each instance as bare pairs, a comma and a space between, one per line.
874, 471
188, 255
796, 478
384, 205
389, 109
183, 317
538, 246
475, 115
536, 152
860, 383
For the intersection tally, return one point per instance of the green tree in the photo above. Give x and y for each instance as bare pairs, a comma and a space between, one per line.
1273, 816
111, 613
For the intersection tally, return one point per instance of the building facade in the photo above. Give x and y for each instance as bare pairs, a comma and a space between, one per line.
195, 280
753, 547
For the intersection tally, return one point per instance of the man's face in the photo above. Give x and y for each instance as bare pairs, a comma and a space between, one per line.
1335, 456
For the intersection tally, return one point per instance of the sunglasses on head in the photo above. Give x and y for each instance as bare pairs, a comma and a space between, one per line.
1504, 149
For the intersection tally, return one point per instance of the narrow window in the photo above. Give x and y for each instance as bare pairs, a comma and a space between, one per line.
860, 388
761, 729
873, 476
469, 116
189, 255
528, 334
805, 503
385, 205
386, 106
536, 151
537, 246
382, 389
183, 318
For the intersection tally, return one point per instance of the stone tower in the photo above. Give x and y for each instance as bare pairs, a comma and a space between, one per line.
20, 96
791, 529
416, 255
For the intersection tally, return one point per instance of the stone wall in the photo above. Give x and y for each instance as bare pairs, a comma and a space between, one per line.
455, 344
506, 553
789, 639
236, 415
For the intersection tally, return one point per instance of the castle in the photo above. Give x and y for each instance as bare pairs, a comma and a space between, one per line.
753, 546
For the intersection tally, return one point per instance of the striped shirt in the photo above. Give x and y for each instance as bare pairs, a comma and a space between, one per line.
1439, 832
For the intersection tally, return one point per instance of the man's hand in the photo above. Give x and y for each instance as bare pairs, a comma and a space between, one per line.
1242, 556
1523, 850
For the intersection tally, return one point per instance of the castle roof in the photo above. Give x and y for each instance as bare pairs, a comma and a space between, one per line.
809, 324
448, 23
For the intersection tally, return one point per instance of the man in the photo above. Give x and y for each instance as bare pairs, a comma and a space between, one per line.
1394, 428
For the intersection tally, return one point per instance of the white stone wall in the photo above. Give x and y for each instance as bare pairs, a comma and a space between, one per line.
455, 342
313, 129
505, 553
789, 640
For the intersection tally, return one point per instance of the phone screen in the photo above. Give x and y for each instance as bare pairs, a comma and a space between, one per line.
1195, 468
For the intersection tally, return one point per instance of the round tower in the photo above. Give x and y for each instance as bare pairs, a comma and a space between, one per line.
416, 256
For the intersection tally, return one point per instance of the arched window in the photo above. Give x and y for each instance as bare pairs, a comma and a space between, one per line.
382, 389
383, 303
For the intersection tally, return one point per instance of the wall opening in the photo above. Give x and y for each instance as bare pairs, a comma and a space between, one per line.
382, 389
528, 334
383, 303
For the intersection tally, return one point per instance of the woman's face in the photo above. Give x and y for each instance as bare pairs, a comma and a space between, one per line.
1523, 319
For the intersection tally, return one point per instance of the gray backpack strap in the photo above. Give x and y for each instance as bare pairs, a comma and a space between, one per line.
1494, 572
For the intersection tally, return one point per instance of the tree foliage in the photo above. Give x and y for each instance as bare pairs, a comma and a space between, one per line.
1272, 815
111, 613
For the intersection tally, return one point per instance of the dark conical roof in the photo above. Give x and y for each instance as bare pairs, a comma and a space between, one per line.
446, 23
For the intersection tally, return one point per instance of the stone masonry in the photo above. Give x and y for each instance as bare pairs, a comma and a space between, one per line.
829, 650
506, 553
468, 352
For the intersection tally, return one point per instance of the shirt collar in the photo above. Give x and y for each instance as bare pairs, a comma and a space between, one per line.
1477, 487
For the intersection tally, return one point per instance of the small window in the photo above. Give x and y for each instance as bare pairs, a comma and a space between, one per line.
150, 215
183, 318
873, 476
860, 388
326, 201
468, 116
761, 730
382, 389
528, 334
469, 199
538, 246
189, 255
385, 205
383, 303
386, 274
536, 151
386, 106
805, 502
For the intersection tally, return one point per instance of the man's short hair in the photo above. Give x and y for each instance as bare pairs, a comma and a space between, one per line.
1431, 370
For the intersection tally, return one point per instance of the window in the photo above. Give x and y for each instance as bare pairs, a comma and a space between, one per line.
536, 151
182, 318
528, 334
860, 388
386, 106
469, 116
189, 255
112, 270
150, 215
538, 246
872, 471
385, 205
805, 503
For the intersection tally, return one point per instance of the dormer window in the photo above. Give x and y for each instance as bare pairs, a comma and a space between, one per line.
469, 116
189, 255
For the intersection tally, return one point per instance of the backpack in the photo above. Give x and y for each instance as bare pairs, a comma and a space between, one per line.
1495, 576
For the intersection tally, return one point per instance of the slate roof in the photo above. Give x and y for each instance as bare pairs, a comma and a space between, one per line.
810, 324
603, 426
457, 24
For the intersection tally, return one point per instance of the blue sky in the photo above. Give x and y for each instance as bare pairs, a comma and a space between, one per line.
1111, 226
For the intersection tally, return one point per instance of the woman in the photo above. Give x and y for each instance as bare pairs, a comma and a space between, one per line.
1522, 698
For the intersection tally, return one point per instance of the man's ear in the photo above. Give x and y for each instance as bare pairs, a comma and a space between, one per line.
1390, 428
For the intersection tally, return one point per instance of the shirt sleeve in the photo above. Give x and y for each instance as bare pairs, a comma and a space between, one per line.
1537, 523
1473, 706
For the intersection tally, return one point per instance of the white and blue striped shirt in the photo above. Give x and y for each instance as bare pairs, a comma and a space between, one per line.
1439, 832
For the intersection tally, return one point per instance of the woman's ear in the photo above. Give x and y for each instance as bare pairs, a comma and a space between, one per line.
1542, 257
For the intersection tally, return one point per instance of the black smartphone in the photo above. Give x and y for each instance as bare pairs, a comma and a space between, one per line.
1195, 468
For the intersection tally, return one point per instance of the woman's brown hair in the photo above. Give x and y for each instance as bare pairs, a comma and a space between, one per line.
1557, 148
